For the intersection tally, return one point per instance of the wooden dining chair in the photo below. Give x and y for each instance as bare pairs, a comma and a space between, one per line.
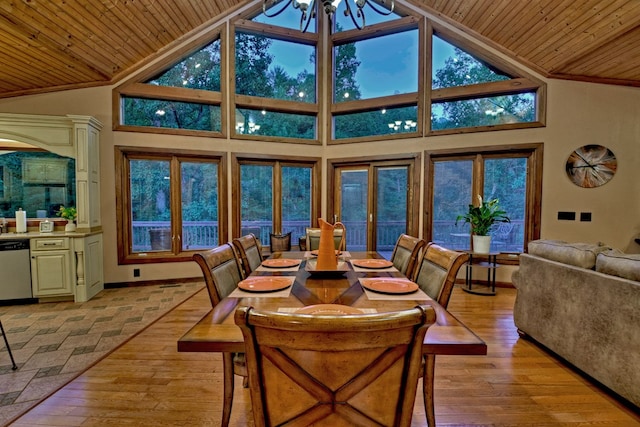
222, 273
331, 370
405, 253
280, 242
313, 239
436, 274
250, 251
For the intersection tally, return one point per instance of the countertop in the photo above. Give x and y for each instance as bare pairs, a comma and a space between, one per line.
12, 235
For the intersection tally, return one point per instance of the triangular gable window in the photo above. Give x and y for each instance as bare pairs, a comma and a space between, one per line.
480, 91
200, 70
453, 66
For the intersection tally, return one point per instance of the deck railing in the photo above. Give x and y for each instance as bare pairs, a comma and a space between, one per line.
156, 235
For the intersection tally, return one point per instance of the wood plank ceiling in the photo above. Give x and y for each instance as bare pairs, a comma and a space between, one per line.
48, 45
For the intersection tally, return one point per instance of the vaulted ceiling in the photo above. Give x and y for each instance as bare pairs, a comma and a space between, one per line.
48, 45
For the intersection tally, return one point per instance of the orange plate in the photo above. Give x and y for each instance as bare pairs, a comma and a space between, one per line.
315, 252
330, 309
264, 284
389, 285
280, 263
372, 263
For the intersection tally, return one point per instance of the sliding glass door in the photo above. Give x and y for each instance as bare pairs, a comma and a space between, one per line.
374, 202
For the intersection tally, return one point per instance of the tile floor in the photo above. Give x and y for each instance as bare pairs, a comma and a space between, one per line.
52, 343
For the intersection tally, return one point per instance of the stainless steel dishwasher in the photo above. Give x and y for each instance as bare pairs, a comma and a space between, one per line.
15, 270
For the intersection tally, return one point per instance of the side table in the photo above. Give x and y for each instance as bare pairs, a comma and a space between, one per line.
491, 265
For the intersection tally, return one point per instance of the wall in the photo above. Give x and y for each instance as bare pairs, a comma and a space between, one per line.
577, 114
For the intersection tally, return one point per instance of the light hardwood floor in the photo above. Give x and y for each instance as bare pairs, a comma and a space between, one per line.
148, 383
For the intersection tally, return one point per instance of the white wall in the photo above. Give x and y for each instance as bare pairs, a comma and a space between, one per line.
577, 114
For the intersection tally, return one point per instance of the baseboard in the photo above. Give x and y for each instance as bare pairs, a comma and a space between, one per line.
151, 282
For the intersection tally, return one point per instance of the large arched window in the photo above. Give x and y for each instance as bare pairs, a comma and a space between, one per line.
401, 76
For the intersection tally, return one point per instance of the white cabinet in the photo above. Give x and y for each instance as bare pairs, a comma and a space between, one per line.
51, 267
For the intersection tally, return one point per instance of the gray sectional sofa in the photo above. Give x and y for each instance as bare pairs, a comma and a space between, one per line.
582, 302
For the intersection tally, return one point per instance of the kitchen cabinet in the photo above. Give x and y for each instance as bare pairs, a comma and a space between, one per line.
51, 267
45, 171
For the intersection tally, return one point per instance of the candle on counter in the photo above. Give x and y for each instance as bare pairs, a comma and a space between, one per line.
21, 221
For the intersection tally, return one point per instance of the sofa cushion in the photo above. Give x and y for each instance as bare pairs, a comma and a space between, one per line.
618, 263
577, 254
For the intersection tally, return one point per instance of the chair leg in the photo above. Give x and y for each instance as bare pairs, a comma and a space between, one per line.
227, 367
427, 389
6, 341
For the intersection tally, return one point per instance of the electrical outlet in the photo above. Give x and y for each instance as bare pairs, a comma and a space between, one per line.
567, 216
136, 272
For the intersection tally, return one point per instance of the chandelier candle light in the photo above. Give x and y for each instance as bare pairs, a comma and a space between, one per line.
308, 10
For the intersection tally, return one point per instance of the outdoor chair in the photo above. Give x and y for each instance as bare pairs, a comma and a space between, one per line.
280, 242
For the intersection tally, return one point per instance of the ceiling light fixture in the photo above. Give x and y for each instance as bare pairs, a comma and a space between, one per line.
308, 9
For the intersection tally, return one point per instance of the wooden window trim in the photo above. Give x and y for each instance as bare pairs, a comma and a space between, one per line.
123, 200
237, 101
533, 152
135, 87
410, 159
240, 159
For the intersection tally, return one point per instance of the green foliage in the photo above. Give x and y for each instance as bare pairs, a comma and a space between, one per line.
463, 69
69, 213
483, 217
252, 65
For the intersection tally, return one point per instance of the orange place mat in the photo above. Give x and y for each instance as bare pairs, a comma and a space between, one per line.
372, 263
389, 285
280, 262
295, 309
264, 283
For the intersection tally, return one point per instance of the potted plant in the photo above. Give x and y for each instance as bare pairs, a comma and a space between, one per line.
70, 214
481, 218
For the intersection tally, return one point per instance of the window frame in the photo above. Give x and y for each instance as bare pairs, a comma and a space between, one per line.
532, 152
237, 101
123, 201
405, 23
277, 162
521, 82
136, 88
409, 160
324, 109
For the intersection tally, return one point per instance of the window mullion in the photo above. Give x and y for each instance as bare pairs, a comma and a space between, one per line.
176, 205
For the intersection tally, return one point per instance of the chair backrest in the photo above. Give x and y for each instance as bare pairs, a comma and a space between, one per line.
313, 239
437, 270
280, 242
405, 253
250, 252
329, 370
221, 270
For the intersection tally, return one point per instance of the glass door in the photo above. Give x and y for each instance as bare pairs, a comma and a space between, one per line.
373, 204
353, 202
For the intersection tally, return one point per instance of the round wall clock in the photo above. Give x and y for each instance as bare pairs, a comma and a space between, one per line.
591, 166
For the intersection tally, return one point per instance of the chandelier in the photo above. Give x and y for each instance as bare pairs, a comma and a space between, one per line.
308, 9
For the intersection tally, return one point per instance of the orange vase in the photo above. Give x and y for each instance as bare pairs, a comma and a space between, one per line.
327, 253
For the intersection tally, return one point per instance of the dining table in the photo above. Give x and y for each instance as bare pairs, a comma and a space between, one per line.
363, 282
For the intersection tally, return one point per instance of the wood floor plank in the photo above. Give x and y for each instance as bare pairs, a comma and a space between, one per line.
147, 382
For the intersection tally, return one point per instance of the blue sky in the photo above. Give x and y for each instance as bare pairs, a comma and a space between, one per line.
388, 64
